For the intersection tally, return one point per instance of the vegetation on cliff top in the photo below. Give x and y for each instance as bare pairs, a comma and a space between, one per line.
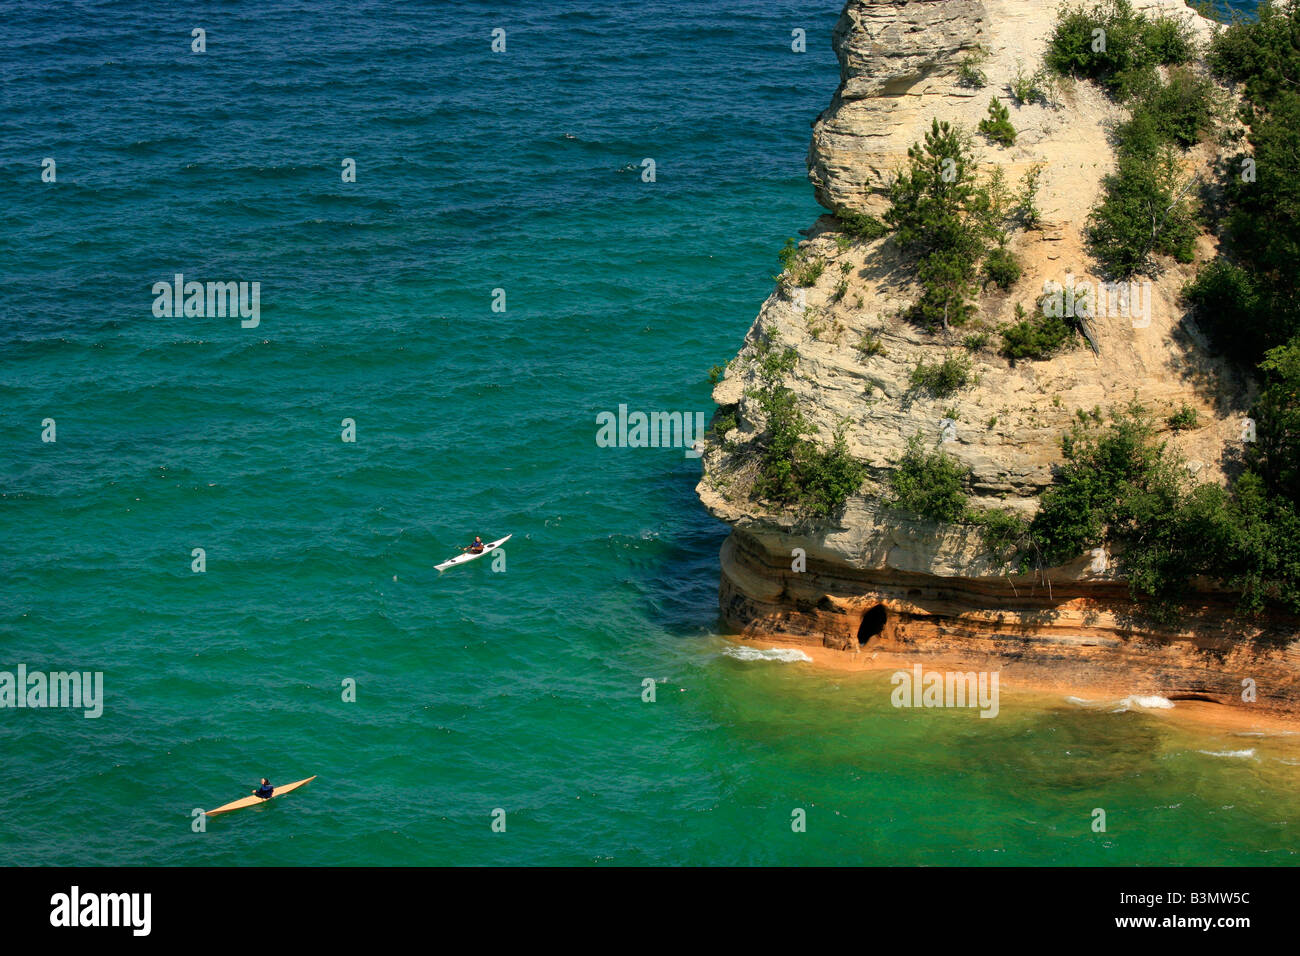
1119, 48
1248, 299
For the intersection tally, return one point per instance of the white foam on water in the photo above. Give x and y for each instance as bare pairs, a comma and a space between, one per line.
1149, 701
789, 655
1242, 754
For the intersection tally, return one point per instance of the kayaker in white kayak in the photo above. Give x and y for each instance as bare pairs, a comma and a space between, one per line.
476, 547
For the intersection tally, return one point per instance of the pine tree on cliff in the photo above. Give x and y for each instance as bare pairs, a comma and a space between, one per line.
932, 212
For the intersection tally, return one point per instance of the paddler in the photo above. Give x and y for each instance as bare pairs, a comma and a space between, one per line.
476, 547
265, 790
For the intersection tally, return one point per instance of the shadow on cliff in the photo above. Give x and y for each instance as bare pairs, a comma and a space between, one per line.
1211, 377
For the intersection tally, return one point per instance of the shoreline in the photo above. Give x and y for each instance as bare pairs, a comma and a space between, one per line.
1190, 714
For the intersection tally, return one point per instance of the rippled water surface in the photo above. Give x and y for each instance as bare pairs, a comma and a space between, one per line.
518, 689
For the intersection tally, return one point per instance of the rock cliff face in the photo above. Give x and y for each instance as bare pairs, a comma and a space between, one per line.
874, 578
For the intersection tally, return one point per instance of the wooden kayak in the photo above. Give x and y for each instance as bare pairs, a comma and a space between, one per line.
252, 801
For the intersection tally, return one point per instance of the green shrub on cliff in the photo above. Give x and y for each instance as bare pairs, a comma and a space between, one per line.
1002, 268
942, 379
1274, 455
1120, 487
1039, 337
1005, 533
1119, 48
793, 470
1109, 478
860, 225
1145, 211
969, 74
1180, 110
830, 476
950, 222
797, 267
928, 484
1186, 417
997, 125
1248, 299
1146, 208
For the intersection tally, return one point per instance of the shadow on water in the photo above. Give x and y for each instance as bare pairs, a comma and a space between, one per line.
682, 585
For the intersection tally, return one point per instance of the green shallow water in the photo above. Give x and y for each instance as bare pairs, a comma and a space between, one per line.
476, 690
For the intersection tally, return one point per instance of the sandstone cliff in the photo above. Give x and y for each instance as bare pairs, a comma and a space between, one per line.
875, 579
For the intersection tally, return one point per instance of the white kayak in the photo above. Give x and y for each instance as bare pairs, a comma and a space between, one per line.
467, 556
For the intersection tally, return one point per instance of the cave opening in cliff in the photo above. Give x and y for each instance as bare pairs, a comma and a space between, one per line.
873, 622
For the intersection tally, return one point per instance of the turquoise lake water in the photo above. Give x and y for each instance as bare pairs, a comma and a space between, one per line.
518, 688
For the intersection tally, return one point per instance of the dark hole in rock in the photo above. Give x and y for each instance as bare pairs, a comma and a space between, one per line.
873, 622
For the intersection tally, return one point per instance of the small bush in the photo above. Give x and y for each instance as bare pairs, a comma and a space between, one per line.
716, 374
1179, 111
803, 271
1038, 338
997, 125
723, 424
829, 477
1028, 87
1169, 40
792, 469
1004, 532
862, 226
788, 255
1186, 417
1144, 212
1027, 198
870, 345
928, 484
809, 272
975, 341
944, 378
970, 75
1232, 308
1002, 268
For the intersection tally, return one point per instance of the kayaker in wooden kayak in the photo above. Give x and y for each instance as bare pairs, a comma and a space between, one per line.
261, 795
